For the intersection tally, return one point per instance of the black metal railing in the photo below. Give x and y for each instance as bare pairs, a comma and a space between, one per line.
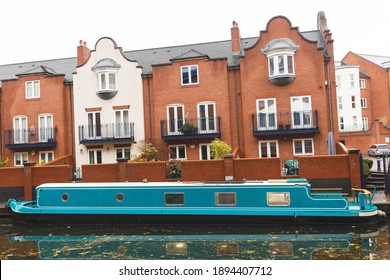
114, 132
30, 138
201, 128
285, 123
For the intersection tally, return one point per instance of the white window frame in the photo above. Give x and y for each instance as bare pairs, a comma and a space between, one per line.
341, 124
46, 129
189, 69
362, 83
268, 110
210, 124
20, 129
208, 150
273, 64
303, 146
122, 123
177, 153
364, 123
305, 114
363, 103
23, 158
105, 76
35, 89
46, 154
123, 151
353, 101
340, 101
95, 157
268, 143
352, 80
94, 127
177, 123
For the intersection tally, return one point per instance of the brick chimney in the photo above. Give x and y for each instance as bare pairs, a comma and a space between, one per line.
236, 39
82, 53
322, 26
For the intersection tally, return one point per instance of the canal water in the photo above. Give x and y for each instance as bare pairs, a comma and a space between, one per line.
28, 242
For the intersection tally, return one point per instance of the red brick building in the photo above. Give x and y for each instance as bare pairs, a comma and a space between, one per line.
270, 96
36, 116
375, 90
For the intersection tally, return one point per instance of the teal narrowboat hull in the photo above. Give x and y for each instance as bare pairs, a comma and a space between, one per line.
140, 203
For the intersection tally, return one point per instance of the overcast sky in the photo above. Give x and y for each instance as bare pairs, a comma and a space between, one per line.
49, 29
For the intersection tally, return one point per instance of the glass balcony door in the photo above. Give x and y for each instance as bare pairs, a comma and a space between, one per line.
301, 112
175, 118
266, 113
207, 118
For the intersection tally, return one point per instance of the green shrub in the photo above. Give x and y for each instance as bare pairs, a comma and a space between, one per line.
218, 149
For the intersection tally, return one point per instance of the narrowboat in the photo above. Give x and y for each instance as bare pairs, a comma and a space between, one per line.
231, 202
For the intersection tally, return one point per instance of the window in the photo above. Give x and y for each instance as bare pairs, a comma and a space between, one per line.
106, 81
20, 130
33, 89
281, 64
353, 101
365, 123
177, 152
175, 116
20, 159
174, 198
266, 114
94, 125
207, 121
95, 156
45, 157
301, 112
363, 102
303, 146
189, 75
204, 152
268, 149
352, 80
341, 123
225, 199
123, 153
45, 128
362, 83
340, 100
122, 124
338, 81
278, 198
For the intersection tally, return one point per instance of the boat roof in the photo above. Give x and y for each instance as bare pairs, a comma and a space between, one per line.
245, 183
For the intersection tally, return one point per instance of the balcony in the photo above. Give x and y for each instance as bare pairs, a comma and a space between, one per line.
282, 123
106, 133
30, 138
189, 129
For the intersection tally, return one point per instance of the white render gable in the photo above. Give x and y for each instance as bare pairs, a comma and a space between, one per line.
108, 106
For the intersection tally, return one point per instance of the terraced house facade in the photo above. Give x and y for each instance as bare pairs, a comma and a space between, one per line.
270, 96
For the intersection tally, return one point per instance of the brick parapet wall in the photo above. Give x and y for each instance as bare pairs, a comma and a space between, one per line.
151, 171
257, 169
202, 170
100, 173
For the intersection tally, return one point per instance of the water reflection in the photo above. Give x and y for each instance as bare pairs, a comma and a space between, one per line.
94, 242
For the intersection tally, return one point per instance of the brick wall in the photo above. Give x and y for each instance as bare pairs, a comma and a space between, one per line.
152, 171
201, 170
100, 172
257, 169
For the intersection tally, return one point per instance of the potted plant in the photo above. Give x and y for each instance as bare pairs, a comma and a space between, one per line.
187, 128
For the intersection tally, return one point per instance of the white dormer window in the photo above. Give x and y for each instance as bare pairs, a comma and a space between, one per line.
33, 89
281, 64
189, 75
106, 81
280, 54
106, 73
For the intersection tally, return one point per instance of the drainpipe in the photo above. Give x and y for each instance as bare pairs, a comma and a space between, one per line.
329, 92
71, 127
149, 110
236, 101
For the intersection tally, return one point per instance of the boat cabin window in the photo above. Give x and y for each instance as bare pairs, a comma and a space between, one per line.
174, 198
278, 198
225, 199
120, 197
64, 197
228, 249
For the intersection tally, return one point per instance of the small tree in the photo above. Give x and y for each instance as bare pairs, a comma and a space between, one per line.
3, 161
218, 149
148, 152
